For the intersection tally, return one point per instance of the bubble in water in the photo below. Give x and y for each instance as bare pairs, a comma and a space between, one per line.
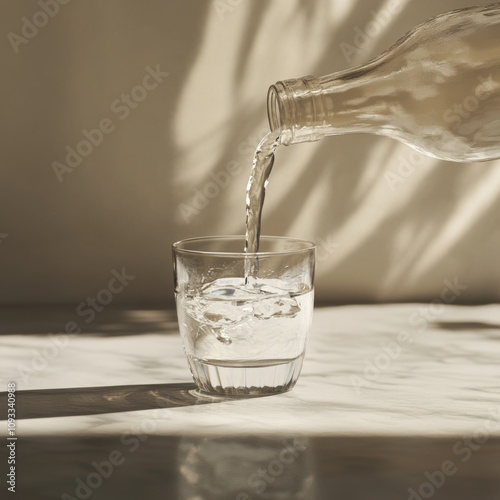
225, 304
283, 307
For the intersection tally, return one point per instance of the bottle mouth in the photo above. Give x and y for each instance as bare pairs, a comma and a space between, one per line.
294, 109
274, 110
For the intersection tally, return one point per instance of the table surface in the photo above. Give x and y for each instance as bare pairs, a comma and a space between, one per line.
394, 402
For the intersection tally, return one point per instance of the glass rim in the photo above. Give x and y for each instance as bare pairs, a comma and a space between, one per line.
309, 245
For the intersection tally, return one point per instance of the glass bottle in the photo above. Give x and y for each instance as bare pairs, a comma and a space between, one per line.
437, 90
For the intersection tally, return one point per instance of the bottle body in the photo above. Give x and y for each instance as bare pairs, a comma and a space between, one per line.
437, 90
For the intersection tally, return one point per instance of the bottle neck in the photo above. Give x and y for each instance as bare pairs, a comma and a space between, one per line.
308, 109
294, 108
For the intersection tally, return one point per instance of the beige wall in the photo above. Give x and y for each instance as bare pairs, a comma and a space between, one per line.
132, 196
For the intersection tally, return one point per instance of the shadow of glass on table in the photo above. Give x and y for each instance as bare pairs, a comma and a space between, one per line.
74, 401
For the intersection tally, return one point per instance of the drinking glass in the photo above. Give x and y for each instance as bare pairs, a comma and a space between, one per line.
244, 333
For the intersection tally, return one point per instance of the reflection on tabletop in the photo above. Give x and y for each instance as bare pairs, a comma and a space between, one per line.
243, 467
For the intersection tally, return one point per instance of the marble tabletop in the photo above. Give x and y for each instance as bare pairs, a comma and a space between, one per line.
394, 401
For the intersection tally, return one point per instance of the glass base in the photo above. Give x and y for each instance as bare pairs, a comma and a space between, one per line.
245, 378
